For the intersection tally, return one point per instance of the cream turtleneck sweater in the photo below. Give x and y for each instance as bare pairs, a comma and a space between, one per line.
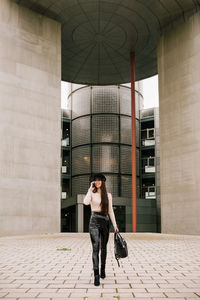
94, 199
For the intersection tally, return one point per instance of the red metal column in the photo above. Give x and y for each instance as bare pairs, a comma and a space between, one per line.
133, 134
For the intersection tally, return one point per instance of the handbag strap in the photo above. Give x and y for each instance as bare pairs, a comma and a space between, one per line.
117, 235
117, 259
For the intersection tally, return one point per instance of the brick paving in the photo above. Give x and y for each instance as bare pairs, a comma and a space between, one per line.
158, 266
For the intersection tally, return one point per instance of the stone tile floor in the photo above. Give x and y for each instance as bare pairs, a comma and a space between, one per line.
159, 266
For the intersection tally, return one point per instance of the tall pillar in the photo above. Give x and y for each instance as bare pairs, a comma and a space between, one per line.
179, 110
133, 134
30, 121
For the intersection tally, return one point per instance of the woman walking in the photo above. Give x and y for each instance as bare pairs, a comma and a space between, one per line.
101, 209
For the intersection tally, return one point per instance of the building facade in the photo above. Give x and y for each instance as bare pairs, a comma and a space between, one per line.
99, 122
150, 165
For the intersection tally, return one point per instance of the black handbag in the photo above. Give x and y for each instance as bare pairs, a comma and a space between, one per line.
120, 247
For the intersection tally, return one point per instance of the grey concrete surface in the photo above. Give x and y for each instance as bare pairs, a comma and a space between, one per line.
179, 106
30, 121
98, 36
59, 266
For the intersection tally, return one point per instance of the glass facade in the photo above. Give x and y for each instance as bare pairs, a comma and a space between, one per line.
101, 137
97, 138
81, 131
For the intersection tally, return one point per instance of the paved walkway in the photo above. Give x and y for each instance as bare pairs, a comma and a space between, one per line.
158, 267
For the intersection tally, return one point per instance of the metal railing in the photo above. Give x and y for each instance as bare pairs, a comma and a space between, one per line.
149, 192
148, 164
65, 169
148, 137
65, 142
65, 195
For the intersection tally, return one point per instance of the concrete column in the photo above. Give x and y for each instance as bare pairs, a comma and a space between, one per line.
30, 121
179, 109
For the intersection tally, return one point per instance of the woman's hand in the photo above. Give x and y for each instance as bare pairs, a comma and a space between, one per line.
116, 229
91, 188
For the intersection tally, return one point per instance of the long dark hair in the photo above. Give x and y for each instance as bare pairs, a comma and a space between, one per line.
104, 198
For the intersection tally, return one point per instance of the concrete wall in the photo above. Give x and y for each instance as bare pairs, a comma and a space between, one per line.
179, 109
30, 121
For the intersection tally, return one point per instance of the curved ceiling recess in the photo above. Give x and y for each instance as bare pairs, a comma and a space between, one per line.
98, 35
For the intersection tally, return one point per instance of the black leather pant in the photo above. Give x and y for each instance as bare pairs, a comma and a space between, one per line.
99, 228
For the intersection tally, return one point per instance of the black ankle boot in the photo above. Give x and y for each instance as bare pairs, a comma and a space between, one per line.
103, 275
96, 278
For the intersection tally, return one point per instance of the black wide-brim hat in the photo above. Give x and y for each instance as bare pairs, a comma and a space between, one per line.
98, 176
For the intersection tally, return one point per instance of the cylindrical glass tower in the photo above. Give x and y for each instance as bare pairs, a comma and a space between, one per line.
101, 137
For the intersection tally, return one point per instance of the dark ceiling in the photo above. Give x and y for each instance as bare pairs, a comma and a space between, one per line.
98, 35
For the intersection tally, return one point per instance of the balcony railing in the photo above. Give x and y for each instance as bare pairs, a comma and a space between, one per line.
64, 195
148, 165
149, 142
148, 137
65, 142
64, 169
149, 192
